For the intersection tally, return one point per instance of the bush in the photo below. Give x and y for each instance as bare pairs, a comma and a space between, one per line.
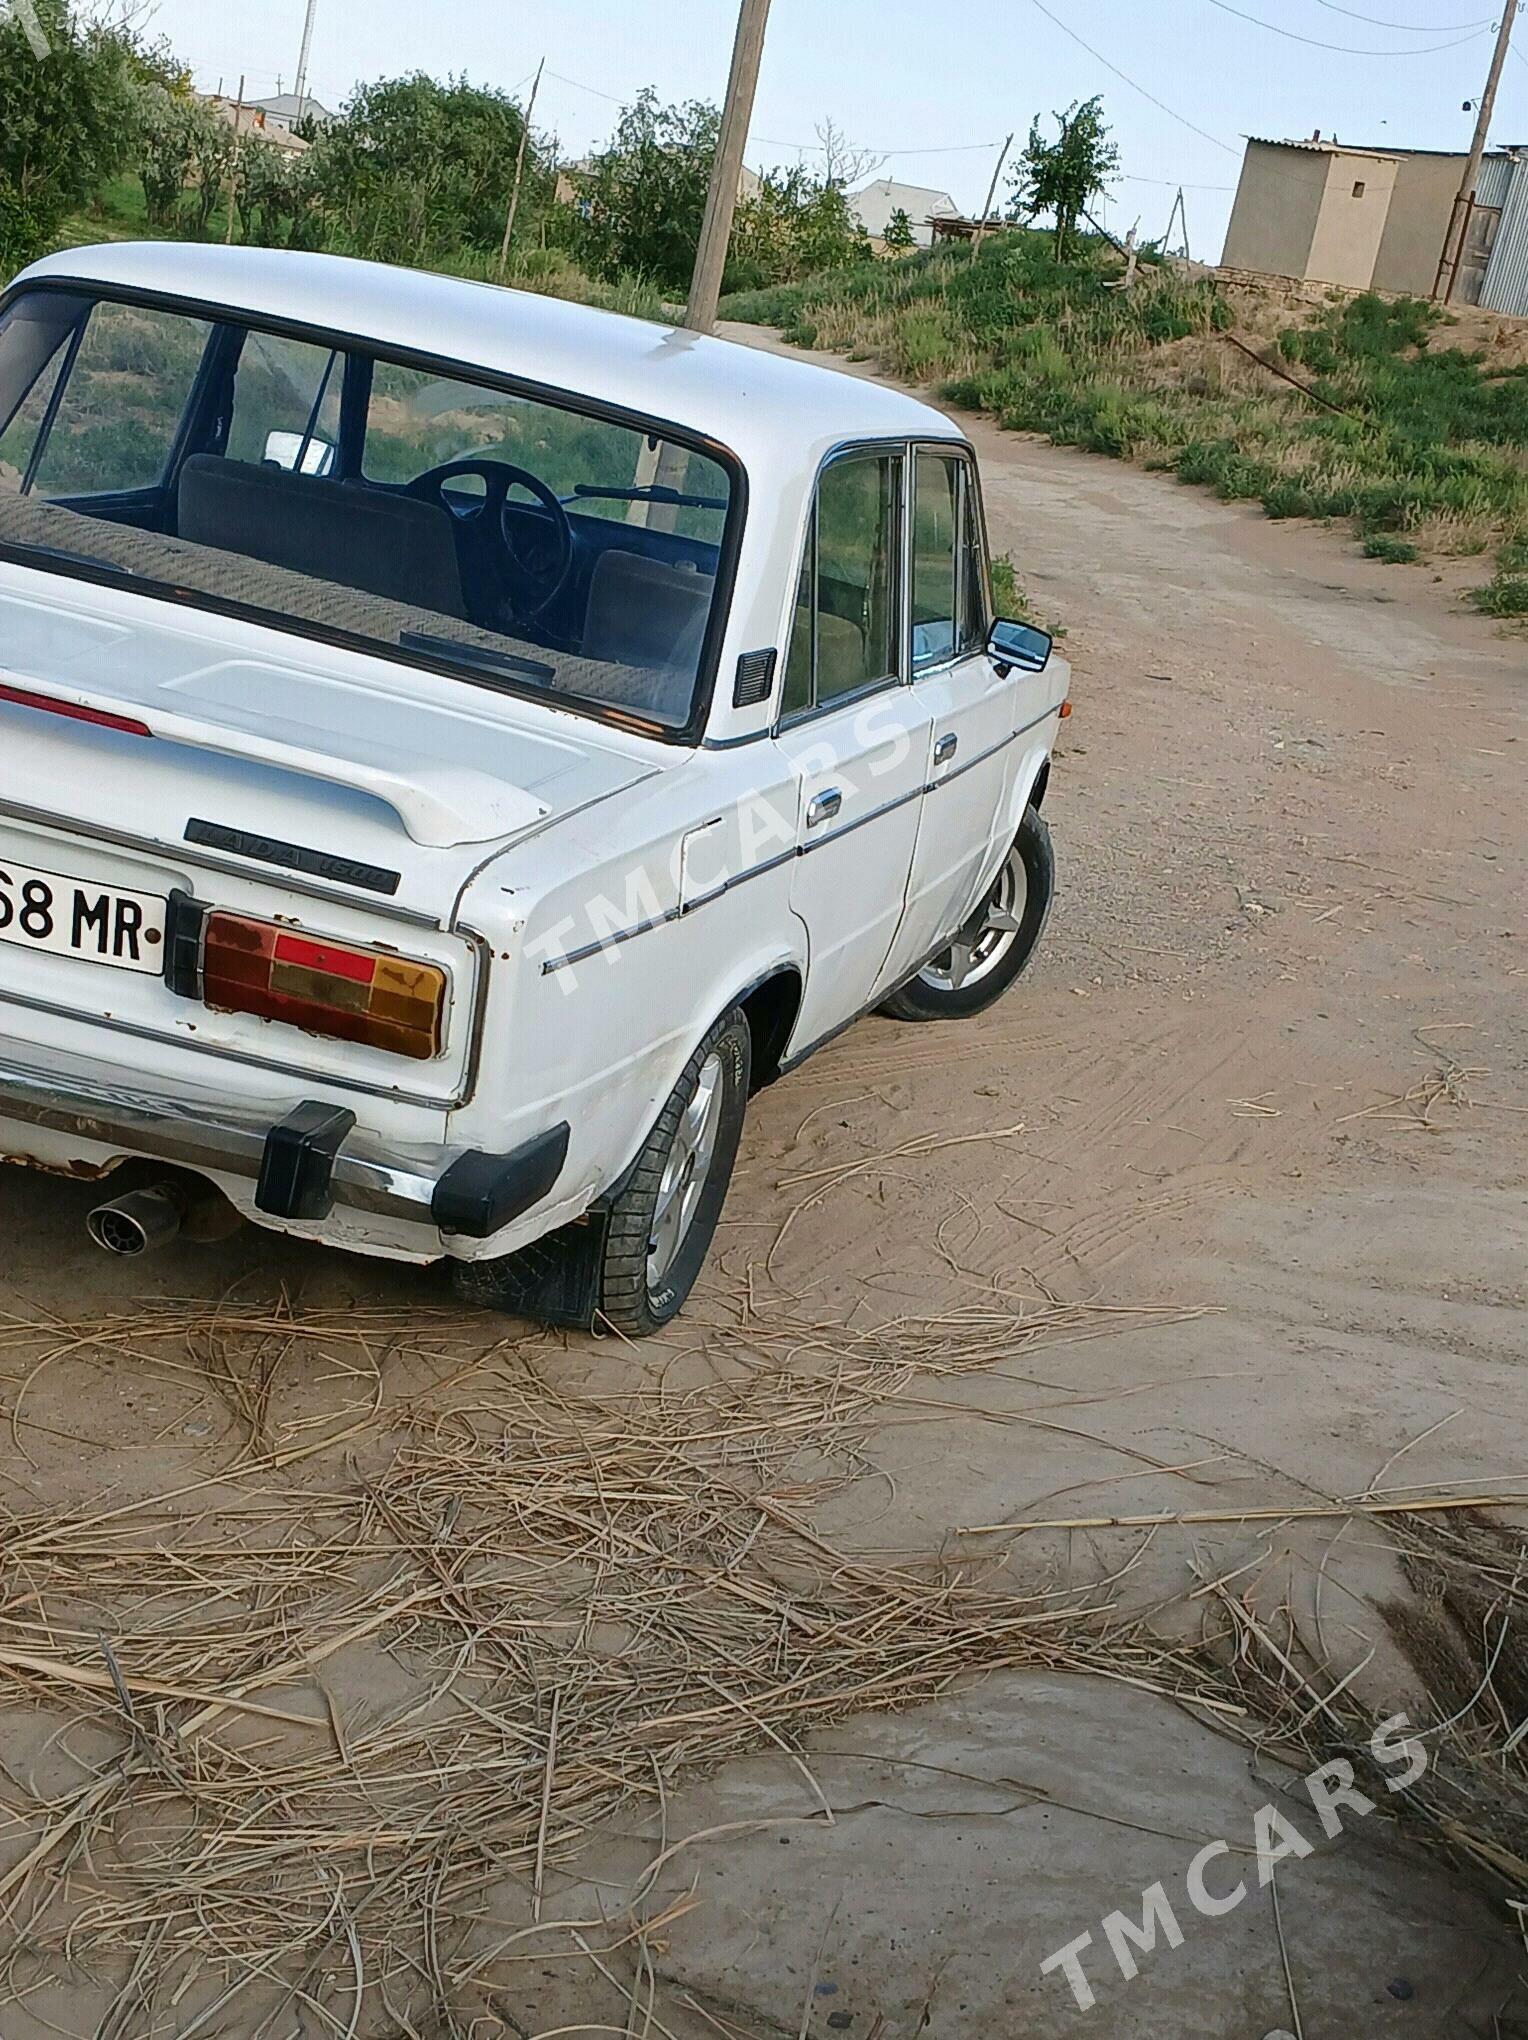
65, 124
793, 226
186, 152
275, 197
1506, 596
416, 170
1395, 552
641, 200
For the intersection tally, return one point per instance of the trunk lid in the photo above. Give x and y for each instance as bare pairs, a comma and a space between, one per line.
348, 755
345, 794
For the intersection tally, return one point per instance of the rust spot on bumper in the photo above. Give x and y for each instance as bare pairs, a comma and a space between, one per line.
76, 1172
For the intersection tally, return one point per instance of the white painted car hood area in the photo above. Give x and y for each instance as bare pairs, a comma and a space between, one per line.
298, 742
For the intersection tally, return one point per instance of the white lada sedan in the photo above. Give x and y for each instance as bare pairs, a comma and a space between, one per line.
455, 746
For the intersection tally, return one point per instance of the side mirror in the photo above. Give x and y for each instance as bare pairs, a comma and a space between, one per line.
1019, 644
283, 448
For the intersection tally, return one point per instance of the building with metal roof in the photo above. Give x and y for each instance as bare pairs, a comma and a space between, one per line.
1330, 212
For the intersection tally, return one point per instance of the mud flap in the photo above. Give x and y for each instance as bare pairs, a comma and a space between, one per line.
554, 1281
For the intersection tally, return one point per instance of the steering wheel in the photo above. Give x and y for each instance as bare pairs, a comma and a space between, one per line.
542, 558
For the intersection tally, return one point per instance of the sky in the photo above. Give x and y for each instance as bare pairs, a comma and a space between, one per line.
929, 91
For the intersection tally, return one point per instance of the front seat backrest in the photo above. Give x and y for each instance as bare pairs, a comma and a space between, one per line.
384, 544
644, 612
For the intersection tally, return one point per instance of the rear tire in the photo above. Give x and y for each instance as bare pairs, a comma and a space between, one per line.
997, 941
662, 1222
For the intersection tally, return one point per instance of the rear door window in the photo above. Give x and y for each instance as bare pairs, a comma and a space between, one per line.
122, 404
936, 558
844, 639
286, 404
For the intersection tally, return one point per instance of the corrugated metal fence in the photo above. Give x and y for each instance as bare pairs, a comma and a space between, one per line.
1504, 183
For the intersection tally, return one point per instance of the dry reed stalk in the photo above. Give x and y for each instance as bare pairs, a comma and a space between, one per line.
643, 1563
1464, 1629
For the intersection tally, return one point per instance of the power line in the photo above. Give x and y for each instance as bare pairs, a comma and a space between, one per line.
809, 148
1161, 104
614, 98
1405, 27
1342, 49
815, 148
1170, 183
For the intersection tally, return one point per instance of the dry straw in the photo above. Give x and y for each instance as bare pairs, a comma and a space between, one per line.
321, 1732
331, 1719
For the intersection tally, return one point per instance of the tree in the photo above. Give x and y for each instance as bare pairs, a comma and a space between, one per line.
164, 151
899, 232
275, 196
1060, 177
792, 225
842, 163
415, 170
641, 199
185, 149
65, 123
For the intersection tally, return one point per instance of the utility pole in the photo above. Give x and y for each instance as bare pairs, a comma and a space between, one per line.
721, 199
514, 196
236, 162
1453, 243
1177, 217
981, 224
302, 61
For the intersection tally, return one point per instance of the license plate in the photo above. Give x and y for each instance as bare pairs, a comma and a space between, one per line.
73, 917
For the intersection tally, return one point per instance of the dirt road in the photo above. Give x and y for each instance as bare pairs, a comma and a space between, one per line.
1254, 1133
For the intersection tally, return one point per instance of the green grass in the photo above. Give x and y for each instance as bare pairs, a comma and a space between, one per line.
1506, 596
1417, 446
1395, 552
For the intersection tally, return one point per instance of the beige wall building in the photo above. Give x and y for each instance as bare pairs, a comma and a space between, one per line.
1313, 210
1378, 219
1425, 190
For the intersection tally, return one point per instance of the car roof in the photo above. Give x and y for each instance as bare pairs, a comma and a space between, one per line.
770, 410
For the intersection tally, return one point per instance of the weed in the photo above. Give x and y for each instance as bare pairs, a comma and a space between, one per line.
1395, 552
1506, 596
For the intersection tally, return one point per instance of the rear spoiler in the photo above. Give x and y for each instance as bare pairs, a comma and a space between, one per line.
439, 805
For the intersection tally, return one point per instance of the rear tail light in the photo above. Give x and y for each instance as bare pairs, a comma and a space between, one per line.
364, 995
75, 711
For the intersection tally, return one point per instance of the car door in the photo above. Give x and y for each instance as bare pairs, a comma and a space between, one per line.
969, 703
855, 735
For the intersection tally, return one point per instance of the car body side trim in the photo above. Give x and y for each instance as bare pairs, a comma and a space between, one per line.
582, 955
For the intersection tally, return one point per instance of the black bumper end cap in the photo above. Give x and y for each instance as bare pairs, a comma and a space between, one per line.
297, 1165
480, 1193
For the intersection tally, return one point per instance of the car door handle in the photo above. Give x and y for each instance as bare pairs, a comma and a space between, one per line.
946, 748
823, 807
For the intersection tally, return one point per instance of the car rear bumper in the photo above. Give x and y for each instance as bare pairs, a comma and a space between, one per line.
302, 1162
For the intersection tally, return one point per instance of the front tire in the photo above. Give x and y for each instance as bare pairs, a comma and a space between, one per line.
996, 943
662, 1223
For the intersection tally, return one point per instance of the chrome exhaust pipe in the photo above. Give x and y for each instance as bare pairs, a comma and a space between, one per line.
138, 1222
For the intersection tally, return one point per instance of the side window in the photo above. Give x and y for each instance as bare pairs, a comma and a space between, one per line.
845, 633
286, 404
936, 555
19, 438
799, 688
123, 402
975, 618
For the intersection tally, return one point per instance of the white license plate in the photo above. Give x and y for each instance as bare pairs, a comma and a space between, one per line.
74, 917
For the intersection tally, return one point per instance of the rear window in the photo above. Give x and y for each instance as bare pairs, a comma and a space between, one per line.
531, 543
